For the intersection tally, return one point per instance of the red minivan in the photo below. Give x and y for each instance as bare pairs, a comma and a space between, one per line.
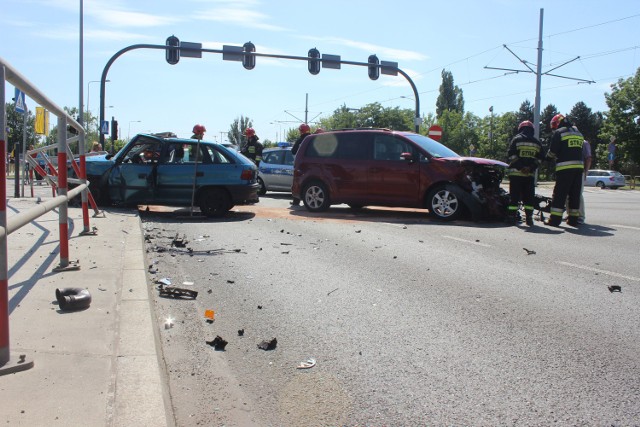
380, 167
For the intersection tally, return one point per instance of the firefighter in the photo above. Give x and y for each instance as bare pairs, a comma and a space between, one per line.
525, 155
305, 130
565, 149
198, 132
252, 149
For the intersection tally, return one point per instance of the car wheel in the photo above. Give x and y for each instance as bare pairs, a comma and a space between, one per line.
214, 202
263, 188
315, 197
600, 184
443, 204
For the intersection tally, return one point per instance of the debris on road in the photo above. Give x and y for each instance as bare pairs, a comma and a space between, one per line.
173, 292
210, 315
165, 281
307, 364
529, 252
70, 299
332, 291
218, 343
268, 345
240, 332
168, 323
615, 288
179, 242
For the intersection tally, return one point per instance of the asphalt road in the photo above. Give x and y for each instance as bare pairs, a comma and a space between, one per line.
410, 321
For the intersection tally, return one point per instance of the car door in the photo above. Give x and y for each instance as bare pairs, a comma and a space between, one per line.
133, 180
184, 168
271, 169
349, 169
392, 179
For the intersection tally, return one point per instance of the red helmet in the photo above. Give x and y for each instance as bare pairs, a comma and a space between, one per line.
556, 120
249, 132
199, 129
524, 124
304, 128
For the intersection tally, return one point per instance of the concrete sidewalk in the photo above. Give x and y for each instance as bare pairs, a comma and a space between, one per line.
94, 367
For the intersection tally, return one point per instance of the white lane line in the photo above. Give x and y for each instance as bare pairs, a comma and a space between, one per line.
625, 226
597, 270
484, 245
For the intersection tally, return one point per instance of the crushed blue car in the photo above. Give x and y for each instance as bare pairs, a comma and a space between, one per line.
153, 169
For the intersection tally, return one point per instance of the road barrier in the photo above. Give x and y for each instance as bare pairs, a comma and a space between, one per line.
9, 74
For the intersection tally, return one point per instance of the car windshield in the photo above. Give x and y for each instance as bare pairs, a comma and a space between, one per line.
434, 148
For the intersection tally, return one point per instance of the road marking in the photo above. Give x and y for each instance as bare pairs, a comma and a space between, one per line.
597, 270
484, 245
625, 226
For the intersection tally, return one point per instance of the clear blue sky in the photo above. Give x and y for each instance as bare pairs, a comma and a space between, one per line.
40, 39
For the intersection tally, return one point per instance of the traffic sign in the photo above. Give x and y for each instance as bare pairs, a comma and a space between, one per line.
21, 105
435, 132
104, 128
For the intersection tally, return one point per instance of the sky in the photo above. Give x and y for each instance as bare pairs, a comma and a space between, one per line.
588, 40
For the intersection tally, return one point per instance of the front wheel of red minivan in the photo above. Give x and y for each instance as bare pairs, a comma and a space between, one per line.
315, 197
444, 204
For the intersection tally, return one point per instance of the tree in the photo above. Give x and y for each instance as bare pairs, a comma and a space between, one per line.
16, 127
588, 123
236, 130
371, 115
450, 97
622, 121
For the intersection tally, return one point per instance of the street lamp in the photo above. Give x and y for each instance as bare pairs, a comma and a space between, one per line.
88, 93
129, 132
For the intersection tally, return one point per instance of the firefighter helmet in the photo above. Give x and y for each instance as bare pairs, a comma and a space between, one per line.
556, 120
199, 129
249, 132
526, 123
304, 128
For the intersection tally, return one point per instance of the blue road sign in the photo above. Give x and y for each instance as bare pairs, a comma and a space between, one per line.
105, 127
21, 105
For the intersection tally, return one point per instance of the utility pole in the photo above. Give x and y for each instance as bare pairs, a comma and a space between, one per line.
539, 74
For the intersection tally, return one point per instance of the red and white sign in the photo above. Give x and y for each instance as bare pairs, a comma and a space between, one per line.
435, 132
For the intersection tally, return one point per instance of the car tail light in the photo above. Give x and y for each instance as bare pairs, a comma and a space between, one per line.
247, 174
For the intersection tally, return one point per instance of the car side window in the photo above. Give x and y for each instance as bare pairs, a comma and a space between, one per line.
387, 147
143, 152
193, 155
288, 158
354, 146
217, 157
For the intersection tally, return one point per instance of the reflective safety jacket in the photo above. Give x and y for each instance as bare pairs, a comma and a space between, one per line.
566, 148
525, 154
253, 149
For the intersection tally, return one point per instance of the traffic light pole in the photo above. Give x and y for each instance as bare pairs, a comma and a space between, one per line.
247, 55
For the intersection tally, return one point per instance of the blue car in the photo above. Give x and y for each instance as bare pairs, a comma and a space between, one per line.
153, 169
276, 170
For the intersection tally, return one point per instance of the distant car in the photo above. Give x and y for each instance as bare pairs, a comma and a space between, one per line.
604, 179
275, 172
158, 170
380, 167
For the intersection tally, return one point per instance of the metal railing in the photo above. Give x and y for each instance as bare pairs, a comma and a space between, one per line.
8, 225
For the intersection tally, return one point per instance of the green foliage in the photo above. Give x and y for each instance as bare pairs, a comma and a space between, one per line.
15, 125
236, 130
622, 121
450, 97
371, 115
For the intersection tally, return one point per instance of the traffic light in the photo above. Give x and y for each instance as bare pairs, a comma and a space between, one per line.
314, 61
248, 61
114, 129
173, 50
374, 70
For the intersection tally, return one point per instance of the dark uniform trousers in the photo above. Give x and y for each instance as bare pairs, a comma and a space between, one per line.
568, 183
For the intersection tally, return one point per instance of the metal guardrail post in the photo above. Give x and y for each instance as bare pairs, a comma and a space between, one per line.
7, 364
